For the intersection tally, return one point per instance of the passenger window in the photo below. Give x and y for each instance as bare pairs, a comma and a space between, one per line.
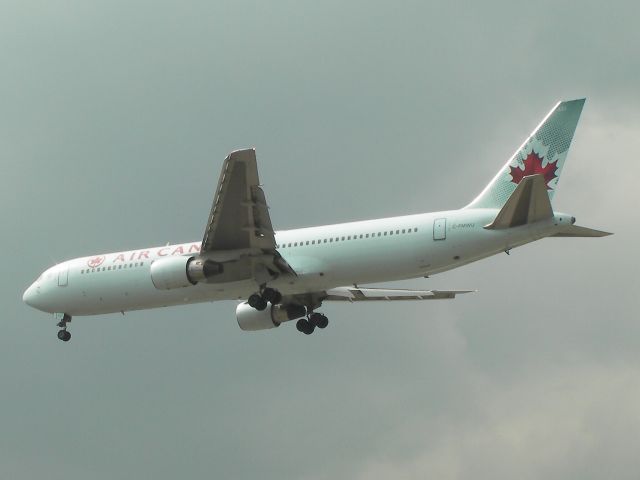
367, 236
403, 230
307, 242
397, 232
415, 229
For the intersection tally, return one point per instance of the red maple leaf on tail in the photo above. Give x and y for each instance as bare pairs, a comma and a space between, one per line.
533, 166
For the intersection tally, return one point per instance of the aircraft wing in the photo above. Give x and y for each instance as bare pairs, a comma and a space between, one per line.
239, 218
357, 294
239, 215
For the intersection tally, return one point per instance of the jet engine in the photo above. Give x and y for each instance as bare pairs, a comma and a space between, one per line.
250, 319
181, 271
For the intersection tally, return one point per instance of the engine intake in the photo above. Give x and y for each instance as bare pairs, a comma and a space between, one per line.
179, 272
250, 319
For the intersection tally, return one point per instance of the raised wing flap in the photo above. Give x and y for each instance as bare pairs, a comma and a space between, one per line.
357, 294
262, 221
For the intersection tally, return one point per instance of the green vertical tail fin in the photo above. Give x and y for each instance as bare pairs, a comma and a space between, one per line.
542, 153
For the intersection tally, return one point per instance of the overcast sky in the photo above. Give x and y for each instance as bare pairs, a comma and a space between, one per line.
115, 117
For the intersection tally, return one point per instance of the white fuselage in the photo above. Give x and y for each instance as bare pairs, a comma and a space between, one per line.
323, 257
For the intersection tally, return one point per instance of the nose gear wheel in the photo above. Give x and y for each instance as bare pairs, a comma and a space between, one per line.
64, 334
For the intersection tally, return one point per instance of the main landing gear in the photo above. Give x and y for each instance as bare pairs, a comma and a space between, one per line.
309, 324
64, 334
259, 300
306, 325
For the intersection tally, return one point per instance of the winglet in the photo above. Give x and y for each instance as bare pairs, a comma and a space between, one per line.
528, 203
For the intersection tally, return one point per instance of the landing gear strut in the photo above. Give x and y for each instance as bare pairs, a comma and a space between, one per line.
64, 334
259, 300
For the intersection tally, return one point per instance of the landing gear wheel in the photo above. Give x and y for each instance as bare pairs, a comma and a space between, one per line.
272, 295
322, 321
304, 326
318, 320
257, 302
64, 335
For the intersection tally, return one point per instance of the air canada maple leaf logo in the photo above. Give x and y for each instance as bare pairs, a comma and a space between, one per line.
533, 166
95, 261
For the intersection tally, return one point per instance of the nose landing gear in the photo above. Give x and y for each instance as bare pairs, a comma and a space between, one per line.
64, 334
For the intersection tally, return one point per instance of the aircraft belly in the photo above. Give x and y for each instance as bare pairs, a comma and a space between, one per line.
135, 291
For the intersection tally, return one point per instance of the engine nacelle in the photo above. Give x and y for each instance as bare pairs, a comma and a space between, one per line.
180, 271
250, 319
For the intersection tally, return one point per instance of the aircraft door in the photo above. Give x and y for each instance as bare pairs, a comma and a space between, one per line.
440, 229
63, 277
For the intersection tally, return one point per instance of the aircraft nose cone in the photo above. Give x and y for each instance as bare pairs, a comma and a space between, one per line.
33, 297
28, 295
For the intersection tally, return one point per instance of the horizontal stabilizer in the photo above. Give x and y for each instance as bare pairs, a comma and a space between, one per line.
576, 231
528, 203
357, 294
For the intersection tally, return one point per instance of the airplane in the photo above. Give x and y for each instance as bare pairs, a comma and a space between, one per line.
286, 275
